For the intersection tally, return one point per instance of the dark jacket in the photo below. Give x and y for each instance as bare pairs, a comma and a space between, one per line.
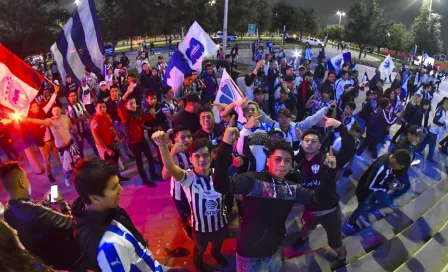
144, 79
404, 143
91, 226
45, 232
378, 123
211, 86
267, 204
320, 70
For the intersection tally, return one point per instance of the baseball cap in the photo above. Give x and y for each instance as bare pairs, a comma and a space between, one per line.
160, 57
258, 90
102, 83
193, 98
415, 130
302, 67
369, 92
285, 90
308, 73
275, 130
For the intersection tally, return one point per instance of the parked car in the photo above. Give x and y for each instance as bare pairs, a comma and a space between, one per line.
230, 36
314, 42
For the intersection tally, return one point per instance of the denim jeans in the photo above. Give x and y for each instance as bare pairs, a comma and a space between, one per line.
267, 264
364, 206
86, 134
431, 140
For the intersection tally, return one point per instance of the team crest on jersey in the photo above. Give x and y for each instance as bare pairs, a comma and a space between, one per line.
315, 168
212, 207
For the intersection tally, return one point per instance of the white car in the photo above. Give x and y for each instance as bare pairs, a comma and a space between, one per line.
230, 36
314, 42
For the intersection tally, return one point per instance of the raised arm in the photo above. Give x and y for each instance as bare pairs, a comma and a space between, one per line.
45, 122
161, 140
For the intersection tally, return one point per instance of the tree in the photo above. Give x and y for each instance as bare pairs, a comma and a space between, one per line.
307, 21
262, 15
334, 32
124, 18
382, 35
30, 26
284, 15
426, 30
398, 35
362, 21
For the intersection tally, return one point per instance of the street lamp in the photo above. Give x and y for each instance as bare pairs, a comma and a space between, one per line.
212, 2
77, 2
340, 14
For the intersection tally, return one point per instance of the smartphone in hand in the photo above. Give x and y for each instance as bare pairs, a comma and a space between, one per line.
54, 193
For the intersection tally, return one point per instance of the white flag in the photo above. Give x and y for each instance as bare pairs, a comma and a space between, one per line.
196, 46
228, 92
386, 67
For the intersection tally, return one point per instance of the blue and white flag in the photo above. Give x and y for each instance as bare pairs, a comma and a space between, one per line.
196, 46
335, 63
417, 79
227, 93
174, 74
80, 43
404, 85
386, 67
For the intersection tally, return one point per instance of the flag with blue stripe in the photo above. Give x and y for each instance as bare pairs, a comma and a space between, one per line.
80, 43
404, 85
174, 74
227, 93
196, 46
335, 63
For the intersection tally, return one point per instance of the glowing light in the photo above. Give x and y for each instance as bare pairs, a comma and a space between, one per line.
77, 2
296, 53
16, 116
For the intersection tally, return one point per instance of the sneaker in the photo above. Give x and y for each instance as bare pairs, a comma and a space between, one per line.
393, 205
377, 214
359, 157
338, 263
67, 182
415, 162
221, 260
350, 229
348, 173
157, 177
51, 178
365, 221
431, 161
150, 184
123, 179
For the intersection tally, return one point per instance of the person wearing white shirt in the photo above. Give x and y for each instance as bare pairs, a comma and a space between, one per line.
340, 83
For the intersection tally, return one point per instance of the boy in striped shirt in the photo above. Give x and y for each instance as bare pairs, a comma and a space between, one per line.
208, 208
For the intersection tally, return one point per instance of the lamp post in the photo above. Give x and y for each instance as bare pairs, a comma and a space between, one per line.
77, 2
340, 14
224, 31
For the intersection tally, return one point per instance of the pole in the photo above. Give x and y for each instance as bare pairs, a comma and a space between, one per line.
182, 30
284, 32
340, 18
224, 38
430, 9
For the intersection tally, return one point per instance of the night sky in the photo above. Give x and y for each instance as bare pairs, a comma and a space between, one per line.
400, 11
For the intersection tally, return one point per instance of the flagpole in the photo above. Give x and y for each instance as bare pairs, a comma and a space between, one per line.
224, 31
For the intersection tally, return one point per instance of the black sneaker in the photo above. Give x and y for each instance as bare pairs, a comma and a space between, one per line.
156, 177
123, 179
221, 260
51, 178
338, 263
150, 183
347, 173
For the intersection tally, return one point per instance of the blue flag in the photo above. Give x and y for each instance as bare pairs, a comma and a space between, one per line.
335, 63
177, 67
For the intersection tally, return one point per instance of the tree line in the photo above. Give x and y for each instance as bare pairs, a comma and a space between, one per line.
31, 26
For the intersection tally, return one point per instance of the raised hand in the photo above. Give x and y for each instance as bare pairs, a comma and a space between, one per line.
160, 138
232, 121
252, 122
230, 135
330, 122
330, 160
